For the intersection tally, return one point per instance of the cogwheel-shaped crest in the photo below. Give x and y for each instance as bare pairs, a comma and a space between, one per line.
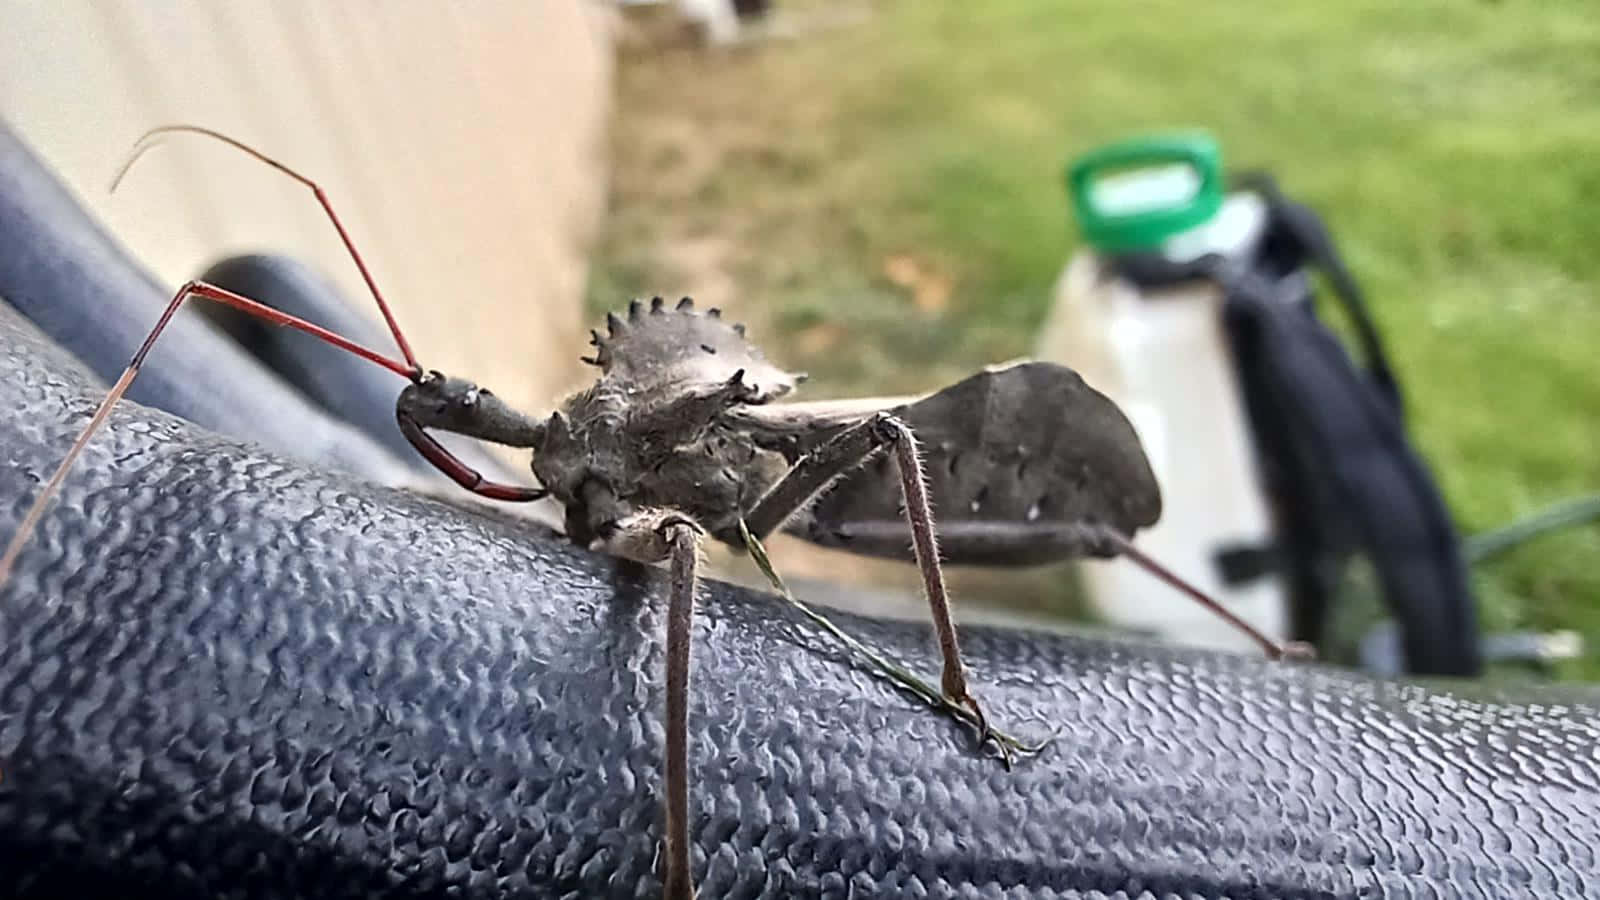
657, 346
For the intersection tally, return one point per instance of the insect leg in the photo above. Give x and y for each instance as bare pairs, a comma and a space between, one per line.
816, 472
813, 474
680, 613
900, 675
919, 515
651, 536
192, 289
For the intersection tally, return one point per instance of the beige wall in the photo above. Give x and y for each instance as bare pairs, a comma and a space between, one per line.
462, 143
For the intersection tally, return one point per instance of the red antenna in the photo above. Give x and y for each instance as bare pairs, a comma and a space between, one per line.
407, 368
150, 138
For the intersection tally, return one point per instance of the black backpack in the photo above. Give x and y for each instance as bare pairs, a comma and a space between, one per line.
1342, 478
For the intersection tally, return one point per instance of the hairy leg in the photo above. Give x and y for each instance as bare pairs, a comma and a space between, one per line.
819, 470
654, 536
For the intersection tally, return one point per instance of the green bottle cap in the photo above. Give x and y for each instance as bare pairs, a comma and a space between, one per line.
1134, 194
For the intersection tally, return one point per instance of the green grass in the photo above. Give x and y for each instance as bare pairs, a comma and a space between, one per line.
1452, 145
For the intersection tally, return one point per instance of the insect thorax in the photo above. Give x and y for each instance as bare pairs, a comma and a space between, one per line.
654, 431
612, 453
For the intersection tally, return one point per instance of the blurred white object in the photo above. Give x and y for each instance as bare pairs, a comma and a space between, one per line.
717, 21
1161, 354
728, 23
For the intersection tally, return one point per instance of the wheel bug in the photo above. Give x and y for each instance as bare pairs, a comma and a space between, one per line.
680, 439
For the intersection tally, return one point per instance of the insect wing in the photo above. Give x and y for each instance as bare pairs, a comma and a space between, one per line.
1025, 464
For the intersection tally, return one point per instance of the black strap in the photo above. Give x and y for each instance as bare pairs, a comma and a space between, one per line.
1295, 235
1338, 464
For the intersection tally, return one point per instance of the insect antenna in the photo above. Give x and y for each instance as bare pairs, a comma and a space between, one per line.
151, 138
1272, 648
406, 367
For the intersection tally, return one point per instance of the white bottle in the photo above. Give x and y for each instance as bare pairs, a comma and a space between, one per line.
1161, 354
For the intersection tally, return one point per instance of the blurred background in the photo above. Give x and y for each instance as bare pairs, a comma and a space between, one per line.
884, 201
877, 190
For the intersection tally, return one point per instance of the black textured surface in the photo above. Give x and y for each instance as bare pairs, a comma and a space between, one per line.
222, 674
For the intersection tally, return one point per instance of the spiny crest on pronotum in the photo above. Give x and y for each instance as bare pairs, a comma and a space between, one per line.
678, 348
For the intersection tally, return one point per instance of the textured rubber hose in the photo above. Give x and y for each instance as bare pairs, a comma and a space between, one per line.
226, 675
